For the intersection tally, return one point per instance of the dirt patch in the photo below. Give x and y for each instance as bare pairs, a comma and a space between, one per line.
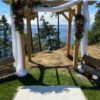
59, 57
54, 58
94, 51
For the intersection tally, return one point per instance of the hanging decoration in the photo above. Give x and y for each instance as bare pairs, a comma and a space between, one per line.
18, 13
18, 7
79, 26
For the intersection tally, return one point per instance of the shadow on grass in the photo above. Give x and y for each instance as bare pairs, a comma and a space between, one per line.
30, 80
90, 88
57, 75
95, 83
72, 76
42, 69
27, 80
8, 79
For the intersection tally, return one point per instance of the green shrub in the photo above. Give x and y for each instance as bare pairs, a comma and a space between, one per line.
94, 34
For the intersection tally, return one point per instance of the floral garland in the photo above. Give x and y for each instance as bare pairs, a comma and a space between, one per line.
18, 13
79, 26
18, 7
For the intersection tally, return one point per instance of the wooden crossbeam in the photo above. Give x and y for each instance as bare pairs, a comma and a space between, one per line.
72, 11
65, 16
53, 2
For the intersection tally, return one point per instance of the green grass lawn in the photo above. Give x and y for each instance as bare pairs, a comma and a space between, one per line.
54, 76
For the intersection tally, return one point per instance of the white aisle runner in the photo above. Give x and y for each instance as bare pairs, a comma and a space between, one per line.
49, 93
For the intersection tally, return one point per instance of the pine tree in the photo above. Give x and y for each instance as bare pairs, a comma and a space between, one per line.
5, 28
48, 34
94, 34
1, 40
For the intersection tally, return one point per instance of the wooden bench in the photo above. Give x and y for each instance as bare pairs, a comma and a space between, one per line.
92, 61
5, 61
91, 65
6, 66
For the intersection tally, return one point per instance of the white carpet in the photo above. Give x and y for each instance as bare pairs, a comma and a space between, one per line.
49, 93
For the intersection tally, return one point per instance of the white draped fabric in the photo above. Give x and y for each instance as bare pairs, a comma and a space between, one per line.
57, 8
84, 41
17, 51
14, 42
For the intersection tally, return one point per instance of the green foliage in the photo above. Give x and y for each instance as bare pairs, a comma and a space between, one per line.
94, 34
48, 36
5, 33
36, 43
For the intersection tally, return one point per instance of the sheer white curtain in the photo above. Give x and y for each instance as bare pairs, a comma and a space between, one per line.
17, 51
84, 41
57, 8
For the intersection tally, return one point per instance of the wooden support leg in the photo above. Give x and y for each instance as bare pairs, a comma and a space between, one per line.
76, 44
76, 49
29, 32
23, 49
69, 34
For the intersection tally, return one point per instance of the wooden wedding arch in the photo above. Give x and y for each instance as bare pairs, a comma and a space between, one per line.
72, 11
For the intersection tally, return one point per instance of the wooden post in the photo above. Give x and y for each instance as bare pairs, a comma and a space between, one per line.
69, 19
29, 32
76, 44
69, 33
22, 44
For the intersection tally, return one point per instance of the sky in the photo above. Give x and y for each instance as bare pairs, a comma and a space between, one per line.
5, 10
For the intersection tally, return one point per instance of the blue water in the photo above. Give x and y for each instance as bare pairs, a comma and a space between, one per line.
63, 32
63, 37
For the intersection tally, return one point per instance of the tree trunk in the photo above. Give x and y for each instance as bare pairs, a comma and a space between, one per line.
58, 33
39, 33
5, 44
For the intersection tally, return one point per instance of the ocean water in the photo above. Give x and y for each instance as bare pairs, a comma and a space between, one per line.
63, 37
63, 32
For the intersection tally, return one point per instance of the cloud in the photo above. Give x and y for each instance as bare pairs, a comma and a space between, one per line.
92, 18
52, 20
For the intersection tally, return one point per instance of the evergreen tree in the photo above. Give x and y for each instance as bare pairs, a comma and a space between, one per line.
36, 43
1, 40
5, 30
48, 34
94, 34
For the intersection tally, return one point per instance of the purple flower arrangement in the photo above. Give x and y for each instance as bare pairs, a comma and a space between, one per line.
79, 26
